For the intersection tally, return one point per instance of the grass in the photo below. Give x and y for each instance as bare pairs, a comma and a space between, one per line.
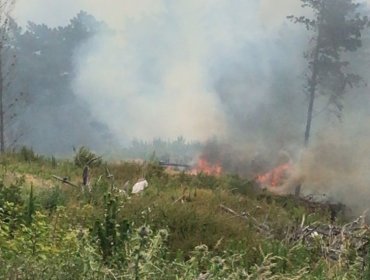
187, 232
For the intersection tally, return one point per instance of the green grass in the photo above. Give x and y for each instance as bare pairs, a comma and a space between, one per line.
100, 234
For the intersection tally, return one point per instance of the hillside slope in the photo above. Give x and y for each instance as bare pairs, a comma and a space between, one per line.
180, 227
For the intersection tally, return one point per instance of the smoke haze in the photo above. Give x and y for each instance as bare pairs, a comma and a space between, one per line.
217, 68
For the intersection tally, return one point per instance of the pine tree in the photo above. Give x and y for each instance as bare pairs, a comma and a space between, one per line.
337, 27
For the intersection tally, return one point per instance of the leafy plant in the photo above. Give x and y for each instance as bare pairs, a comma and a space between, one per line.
50, 199
85, 157
31, 207
27, 154
109, 232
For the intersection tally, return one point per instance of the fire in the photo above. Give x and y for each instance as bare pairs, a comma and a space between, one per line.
276, 176
203, 166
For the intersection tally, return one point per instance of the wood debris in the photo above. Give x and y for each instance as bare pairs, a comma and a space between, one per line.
334, 241
263, 227
65, 181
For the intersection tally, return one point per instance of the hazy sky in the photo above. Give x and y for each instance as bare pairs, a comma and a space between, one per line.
116, 12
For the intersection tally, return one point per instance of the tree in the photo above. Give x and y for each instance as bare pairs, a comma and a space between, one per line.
6, 7
49, 65
337, 27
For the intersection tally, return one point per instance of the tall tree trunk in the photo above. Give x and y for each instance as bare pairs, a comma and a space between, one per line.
312, 94
6, 6
313, 80
2, 128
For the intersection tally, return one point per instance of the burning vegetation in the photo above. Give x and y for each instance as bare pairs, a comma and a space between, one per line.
276, 177
206, 167
202, 166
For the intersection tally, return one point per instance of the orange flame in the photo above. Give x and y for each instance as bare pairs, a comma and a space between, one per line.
276, 176
205, 167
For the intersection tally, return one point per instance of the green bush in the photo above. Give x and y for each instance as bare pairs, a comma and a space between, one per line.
84, 157
28, 155
50, 199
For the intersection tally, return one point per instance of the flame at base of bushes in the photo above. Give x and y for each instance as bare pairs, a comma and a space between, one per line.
276, 177
205, 167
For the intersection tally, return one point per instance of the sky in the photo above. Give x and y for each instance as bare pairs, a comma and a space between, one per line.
116, 12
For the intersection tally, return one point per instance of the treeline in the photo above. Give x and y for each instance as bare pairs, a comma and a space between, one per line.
177, 151
41, 106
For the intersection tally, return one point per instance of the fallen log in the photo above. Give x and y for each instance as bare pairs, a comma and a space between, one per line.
65, 181
246, 216
182, 198
179, 199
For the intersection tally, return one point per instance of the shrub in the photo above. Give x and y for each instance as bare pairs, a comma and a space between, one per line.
28, 155
50, 199
84, 157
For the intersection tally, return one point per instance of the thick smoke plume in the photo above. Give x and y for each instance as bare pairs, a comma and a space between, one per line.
160, 73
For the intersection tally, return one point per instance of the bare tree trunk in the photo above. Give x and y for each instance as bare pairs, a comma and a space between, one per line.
2, 128
6, 6
312, 92
313, 80
85, 176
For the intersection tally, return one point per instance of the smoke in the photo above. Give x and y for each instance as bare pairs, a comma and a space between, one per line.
152, 78
160, 73
233, 70
336, 165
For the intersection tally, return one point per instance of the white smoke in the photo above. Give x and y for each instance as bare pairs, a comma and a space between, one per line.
154, 77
